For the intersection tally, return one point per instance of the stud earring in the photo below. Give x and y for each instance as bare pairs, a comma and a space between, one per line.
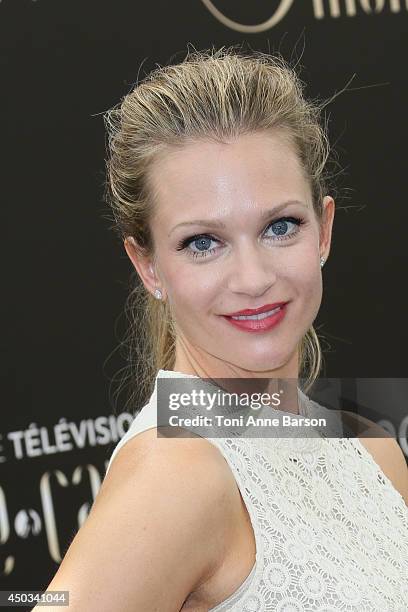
158, 294
322, 260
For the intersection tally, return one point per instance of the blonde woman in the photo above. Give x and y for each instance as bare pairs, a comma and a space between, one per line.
217, 181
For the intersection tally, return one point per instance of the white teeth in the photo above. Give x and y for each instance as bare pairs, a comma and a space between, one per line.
257, 317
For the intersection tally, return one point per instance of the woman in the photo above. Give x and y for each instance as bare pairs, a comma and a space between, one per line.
218, 187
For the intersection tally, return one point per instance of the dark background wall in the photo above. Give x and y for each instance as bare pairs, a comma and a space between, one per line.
64, 274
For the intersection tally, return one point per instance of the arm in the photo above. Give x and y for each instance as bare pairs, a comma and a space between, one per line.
155, 532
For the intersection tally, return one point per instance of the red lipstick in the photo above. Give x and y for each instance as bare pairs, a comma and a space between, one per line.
253, 311
256, 319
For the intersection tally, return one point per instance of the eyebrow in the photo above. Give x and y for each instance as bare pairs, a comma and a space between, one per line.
220, 224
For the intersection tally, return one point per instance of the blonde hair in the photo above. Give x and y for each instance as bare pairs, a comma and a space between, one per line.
212, 94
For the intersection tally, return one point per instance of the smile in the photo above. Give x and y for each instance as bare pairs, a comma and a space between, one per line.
262, 315
258, 322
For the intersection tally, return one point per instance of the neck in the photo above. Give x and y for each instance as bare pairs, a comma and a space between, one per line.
283, 380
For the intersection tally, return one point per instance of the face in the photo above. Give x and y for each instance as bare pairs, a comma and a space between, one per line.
234, 229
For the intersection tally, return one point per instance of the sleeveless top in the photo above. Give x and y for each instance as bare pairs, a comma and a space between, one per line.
331, 530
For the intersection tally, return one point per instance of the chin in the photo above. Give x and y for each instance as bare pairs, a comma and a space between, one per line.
261, 363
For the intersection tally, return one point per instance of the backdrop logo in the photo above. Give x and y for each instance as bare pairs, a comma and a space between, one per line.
279, 13
320, 8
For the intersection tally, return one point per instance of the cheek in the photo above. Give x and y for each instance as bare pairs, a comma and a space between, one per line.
304, 277
309, 288
191, 290
309, 278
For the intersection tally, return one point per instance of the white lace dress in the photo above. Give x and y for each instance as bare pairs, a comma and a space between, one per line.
331, 530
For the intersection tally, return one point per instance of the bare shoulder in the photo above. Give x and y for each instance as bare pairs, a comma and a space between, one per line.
157, 530
385, 451
188, 457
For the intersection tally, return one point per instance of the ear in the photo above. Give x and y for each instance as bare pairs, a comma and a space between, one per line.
326, 226
143, 264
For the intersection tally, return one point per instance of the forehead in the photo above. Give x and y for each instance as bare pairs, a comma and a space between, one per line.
254, 168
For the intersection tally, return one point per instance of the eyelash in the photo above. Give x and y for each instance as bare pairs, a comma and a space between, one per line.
183, 244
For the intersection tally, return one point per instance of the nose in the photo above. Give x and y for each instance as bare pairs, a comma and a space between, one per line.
252, 271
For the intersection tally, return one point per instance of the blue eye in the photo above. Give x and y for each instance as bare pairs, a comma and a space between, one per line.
202, 242
280, 227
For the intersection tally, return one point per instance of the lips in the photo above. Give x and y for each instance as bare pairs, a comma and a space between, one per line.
255, 311
259, 320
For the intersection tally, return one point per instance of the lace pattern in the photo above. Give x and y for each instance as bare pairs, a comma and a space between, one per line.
330, 528
331, 531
